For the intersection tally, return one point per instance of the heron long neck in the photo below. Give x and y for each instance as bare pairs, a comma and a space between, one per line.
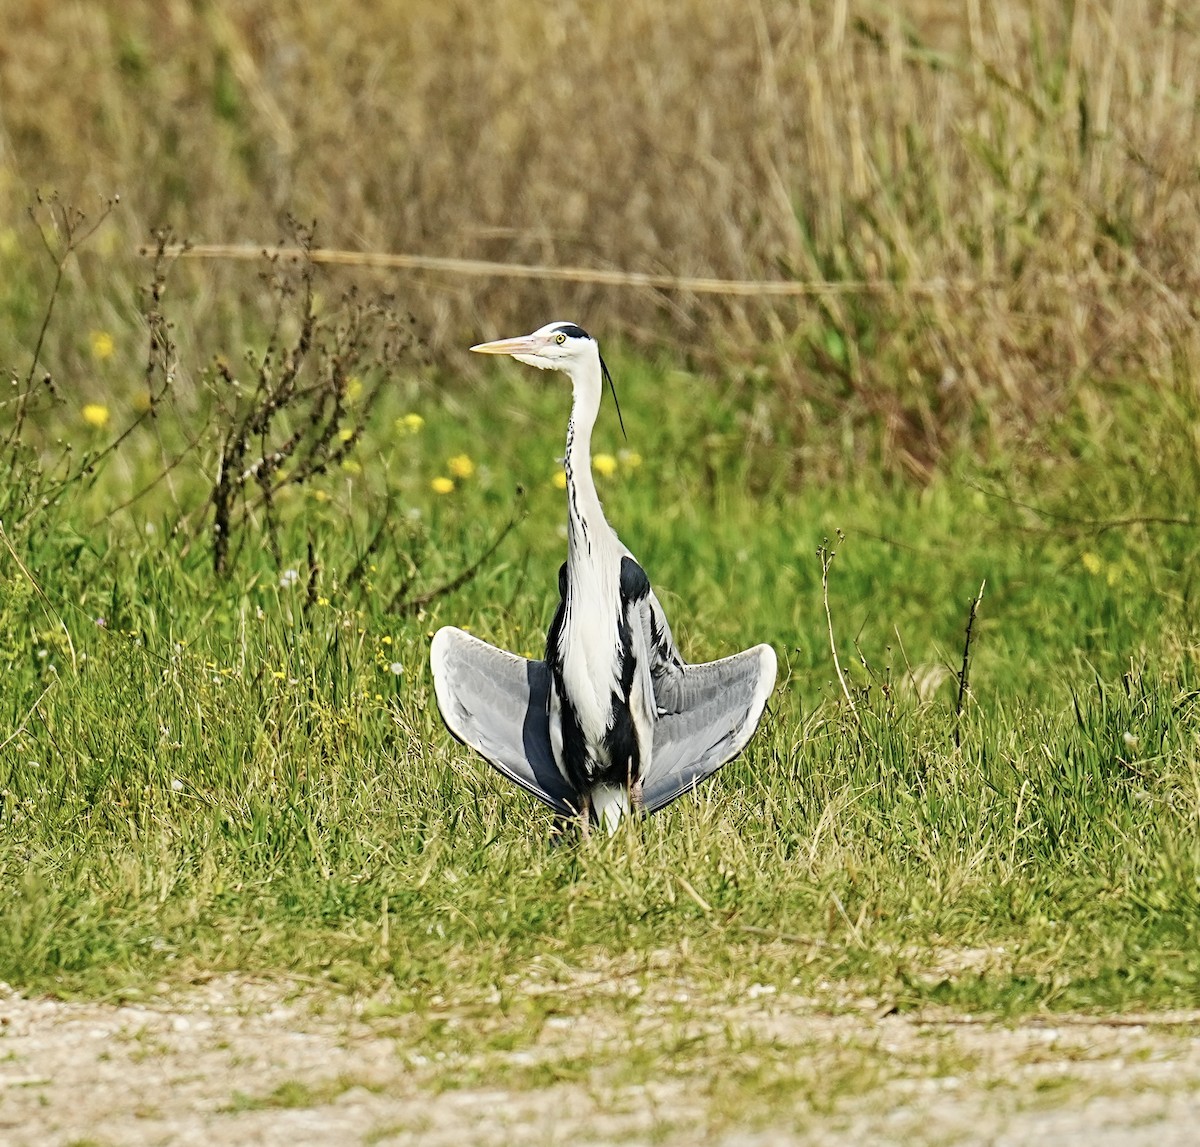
585, 516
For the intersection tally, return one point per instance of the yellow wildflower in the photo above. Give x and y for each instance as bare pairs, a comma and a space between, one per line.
95, 415
102, 344
410, 423
142, 401
630, 459
320, 495
351, 466
1091, 563
354, 387
441, 485
346, 433
461, 466
604, 464
560, 479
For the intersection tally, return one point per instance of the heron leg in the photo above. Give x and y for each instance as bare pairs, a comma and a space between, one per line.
585, 817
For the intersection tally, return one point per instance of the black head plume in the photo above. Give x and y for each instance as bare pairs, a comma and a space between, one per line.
616, 402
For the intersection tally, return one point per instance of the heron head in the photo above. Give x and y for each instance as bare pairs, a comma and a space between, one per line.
556, 346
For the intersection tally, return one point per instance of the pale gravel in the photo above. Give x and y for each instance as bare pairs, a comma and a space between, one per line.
177, 1071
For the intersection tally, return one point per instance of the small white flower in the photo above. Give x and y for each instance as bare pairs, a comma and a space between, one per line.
396, 668
289, 579
1130, 740
177, 785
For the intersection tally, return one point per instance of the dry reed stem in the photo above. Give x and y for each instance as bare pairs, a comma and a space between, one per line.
964, 670
826, 556
593, 275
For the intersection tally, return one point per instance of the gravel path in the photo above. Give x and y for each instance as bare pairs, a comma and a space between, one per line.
238, 1061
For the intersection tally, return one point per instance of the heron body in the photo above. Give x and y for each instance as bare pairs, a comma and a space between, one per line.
625, 724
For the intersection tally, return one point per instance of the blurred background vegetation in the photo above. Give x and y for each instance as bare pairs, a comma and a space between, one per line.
1018, 180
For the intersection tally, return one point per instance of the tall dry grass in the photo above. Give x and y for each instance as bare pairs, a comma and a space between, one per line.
1044, 151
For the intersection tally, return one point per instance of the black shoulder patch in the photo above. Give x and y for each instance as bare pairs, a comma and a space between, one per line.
554, 652
574, 331
635, 585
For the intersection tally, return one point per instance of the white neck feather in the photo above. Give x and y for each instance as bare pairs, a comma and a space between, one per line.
583, 503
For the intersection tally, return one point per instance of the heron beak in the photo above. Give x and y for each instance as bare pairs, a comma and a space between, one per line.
524, 344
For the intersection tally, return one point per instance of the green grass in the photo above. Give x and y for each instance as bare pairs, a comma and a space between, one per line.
221, 777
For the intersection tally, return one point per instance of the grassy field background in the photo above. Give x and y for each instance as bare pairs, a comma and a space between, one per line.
213, 763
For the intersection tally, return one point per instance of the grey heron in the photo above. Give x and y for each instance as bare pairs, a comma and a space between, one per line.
613, 721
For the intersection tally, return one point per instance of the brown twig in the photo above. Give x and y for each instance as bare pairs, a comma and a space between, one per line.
826, 555
1098, 525
402, 605
962, 673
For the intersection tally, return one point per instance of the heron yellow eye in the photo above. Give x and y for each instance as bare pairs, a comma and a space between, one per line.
560, 338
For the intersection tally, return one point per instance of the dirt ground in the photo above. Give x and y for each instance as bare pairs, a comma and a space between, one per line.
238, 1061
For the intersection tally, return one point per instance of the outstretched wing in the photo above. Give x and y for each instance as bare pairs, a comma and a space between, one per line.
706, 715
666, 666
654, 645
497, 703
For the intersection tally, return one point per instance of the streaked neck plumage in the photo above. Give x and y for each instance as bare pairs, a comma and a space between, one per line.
585, 515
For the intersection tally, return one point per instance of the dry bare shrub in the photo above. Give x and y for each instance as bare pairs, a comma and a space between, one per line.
1003, 194
310, 392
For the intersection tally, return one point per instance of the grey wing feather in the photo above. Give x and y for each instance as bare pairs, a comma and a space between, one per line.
497, 703
707, 714
666, 666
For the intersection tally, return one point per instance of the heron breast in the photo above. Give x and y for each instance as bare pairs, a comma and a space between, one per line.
591, 666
